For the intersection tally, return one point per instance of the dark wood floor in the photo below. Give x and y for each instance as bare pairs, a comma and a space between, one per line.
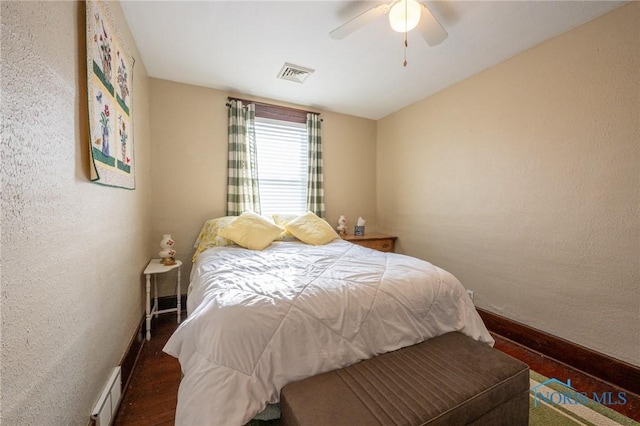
151, 396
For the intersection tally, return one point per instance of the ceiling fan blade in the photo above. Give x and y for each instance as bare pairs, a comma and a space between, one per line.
430, 28
359, 21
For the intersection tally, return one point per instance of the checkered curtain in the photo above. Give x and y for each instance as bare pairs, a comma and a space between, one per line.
315, 184
242, 174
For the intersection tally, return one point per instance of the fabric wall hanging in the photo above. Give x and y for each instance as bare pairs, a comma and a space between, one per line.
109, 87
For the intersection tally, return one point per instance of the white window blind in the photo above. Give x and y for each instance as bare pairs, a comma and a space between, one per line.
282, 166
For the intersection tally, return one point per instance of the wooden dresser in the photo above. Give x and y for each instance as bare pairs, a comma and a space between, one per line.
381, 242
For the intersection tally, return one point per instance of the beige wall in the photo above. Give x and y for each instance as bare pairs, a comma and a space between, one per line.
189, 157
72, 251
523, 181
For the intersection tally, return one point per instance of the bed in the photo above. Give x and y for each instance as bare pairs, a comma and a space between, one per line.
259, 319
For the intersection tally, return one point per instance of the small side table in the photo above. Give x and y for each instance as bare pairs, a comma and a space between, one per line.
154, 268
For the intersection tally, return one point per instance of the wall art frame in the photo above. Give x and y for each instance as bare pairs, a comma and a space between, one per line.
110, 94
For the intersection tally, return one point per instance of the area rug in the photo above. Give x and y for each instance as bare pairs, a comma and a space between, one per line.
555, 403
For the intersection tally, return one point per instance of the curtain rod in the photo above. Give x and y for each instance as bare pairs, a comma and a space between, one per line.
230, 98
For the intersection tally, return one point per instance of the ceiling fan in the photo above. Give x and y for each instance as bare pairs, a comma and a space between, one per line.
404, 15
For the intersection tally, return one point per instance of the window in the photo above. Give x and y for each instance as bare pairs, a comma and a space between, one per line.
282, 165
286, 162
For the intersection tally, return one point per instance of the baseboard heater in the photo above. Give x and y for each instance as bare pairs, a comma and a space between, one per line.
105, 410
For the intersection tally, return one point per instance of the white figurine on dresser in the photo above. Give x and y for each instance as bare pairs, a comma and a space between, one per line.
342, 226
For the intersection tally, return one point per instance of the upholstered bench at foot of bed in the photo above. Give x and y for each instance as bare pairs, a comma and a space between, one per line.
448, 380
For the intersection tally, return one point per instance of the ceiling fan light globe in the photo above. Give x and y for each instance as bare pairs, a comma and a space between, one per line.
397, 18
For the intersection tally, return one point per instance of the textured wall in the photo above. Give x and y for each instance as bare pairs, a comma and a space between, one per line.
189, 156
72, 251
524, 181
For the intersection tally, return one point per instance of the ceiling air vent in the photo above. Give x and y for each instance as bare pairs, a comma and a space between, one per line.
294, 73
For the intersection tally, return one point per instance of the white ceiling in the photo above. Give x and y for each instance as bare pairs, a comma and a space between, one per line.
240, 46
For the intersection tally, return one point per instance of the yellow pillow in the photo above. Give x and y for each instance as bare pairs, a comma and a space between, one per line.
210, 235
310, 229
282, 220
252, 231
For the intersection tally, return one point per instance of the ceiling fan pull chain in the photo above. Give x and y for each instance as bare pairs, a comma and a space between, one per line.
405, 50
404, 64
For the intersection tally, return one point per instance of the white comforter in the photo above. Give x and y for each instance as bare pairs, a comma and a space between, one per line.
258, 320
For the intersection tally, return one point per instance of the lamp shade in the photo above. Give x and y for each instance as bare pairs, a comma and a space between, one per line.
405, 15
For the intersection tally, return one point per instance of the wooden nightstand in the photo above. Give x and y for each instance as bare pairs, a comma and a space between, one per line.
381, 242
